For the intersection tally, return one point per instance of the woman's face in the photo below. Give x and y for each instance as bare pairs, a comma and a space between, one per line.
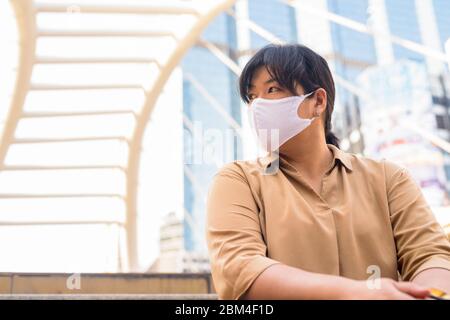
263, 86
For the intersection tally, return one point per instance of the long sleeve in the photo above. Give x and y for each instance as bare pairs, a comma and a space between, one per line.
237, 251
420, 241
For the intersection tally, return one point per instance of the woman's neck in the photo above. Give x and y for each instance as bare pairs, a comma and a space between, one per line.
312, 159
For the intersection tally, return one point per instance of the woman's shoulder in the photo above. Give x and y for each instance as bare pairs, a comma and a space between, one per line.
240, 167
376, 166
247, 171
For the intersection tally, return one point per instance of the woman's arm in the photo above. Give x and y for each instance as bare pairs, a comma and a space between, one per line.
420, 241
434, 278
283, 282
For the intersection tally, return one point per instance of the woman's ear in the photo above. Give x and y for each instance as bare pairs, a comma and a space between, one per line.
320, 101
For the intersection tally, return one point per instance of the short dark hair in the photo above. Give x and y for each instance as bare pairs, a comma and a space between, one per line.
289, 64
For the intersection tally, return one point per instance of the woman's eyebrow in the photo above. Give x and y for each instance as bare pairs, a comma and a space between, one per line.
265, 82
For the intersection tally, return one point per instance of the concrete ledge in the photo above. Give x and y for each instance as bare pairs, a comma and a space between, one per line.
108, 297
5, 283
106, 284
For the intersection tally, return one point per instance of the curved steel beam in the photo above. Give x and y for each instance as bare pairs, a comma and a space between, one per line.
25, 19
136, 141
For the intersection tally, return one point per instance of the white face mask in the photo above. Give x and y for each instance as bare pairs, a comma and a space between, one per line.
276, 120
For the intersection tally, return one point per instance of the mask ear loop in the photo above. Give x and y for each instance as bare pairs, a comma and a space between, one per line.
307, 95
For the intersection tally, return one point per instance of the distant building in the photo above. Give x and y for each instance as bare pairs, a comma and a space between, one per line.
173, 257
399, 107
210, 102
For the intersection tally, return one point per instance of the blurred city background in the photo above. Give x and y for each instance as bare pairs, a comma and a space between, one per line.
104, 105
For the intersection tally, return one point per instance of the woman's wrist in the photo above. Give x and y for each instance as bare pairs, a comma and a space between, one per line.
338, 288
353, 289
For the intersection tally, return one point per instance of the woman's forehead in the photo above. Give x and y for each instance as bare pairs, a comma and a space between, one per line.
260, 76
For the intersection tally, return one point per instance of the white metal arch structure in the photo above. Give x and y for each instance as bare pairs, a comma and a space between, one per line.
183, 46
32, 19
32, 16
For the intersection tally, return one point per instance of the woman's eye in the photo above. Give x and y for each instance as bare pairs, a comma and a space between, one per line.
275, 88
250, 97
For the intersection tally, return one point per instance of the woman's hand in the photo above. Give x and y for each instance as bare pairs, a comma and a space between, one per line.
297, 284
388, 289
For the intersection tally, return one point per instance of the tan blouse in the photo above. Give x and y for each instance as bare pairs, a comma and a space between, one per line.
368, 213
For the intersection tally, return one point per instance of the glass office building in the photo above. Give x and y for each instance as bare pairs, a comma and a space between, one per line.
403, 22
441, 11
274, 16
441, 83
209, 96
424, 23
353, 51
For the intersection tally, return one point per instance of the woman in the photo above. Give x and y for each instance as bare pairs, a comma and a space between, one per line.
310, 221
